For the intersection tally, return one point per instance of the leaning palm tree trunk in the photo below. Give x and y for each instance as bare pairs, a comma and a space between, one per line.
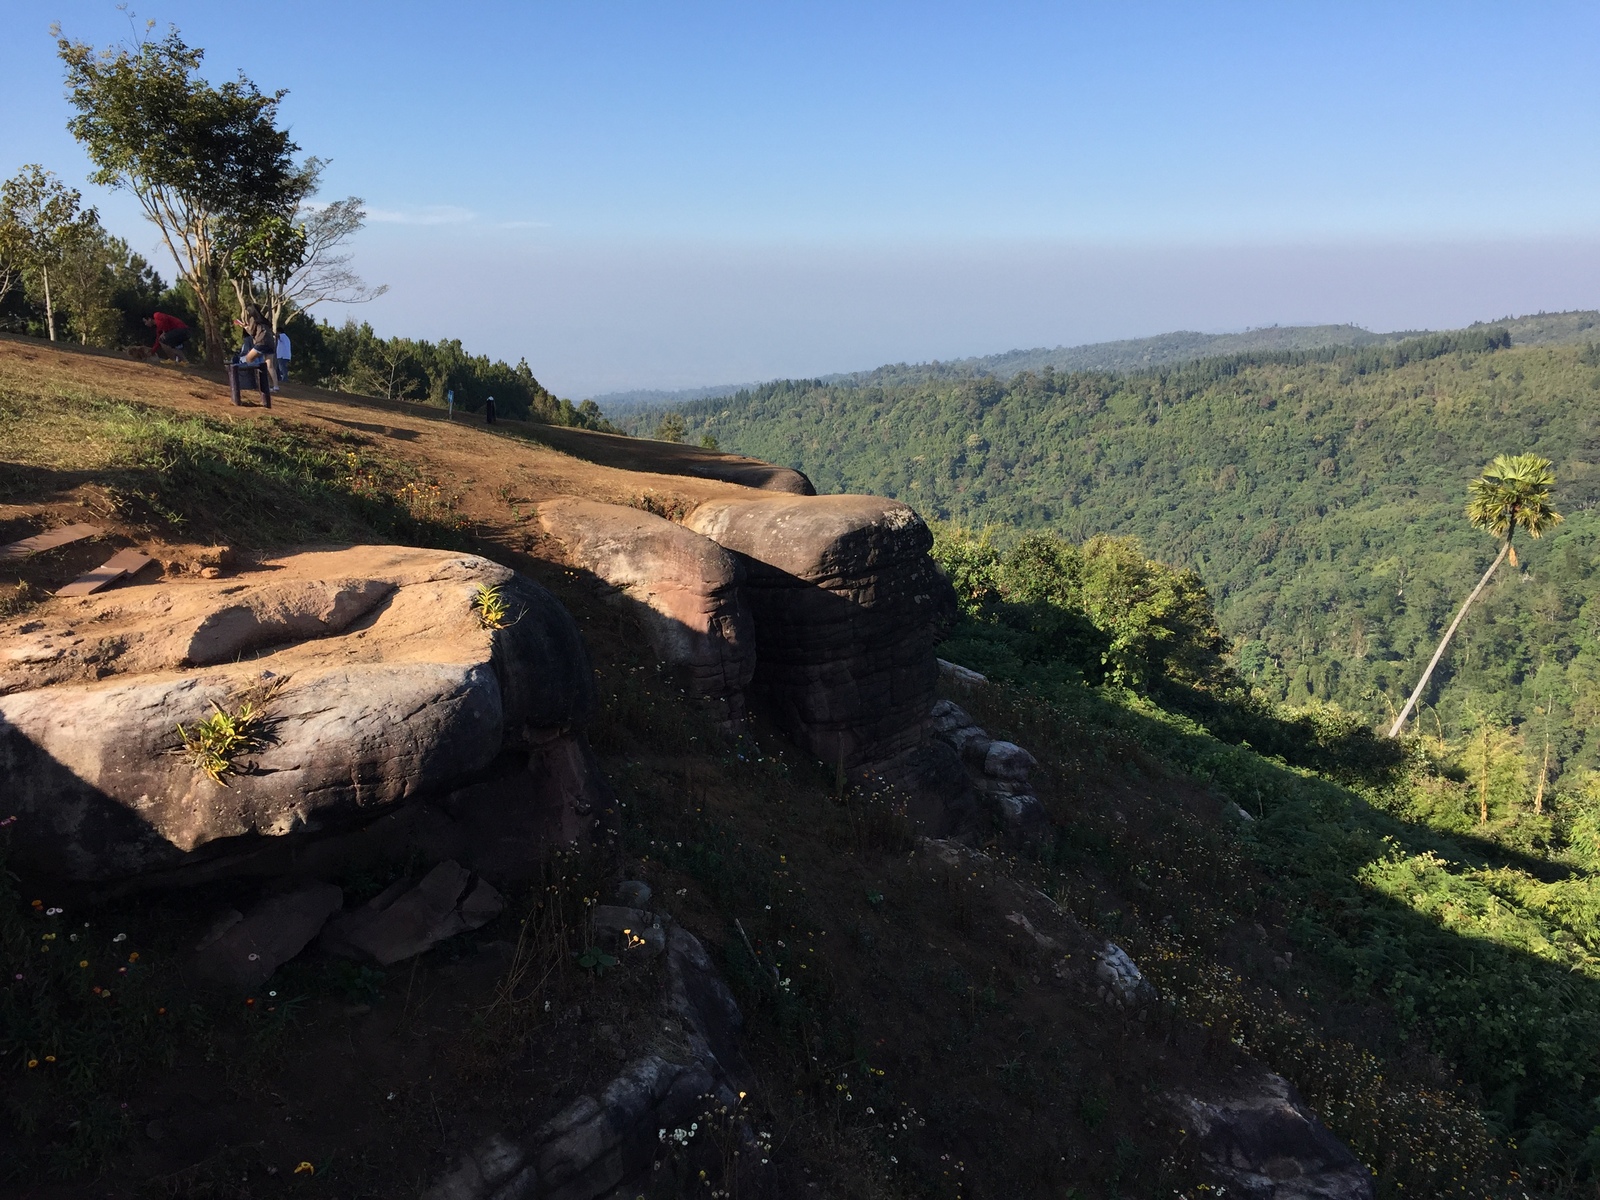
1400, 721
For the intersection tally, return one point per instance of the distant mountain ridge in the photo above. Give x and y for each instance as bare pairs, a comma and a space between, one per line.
1129, 354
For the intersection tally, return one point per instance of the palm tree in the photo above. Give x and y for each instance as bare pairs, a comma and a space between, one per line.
1512, 493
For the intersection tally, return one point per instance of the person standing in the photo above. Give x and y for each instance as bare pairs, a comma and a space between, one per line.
263, 352
285, 351
488, 411
450, 405
171, 336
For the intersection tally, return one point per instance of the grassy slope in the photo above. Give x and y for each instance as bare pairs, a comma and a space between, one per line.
911, 995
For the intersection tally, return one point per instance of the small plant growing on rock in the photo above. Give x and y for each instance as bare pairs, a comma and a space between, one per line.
494, 612
214, 742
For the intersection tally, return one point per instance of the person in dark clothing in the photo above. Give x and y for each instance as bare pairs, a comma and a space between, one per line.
263, 342
172, 335
488, 411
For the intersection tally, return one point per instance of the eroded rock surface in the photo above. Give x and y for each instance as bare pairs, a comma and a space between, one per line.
998, 770
848, 606
687, 590
1266, 1144
379, 686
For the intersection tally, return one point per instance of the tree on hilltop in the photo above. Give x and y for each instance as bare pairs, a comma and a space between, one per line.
43, 222
204, 162
290, 261
1512, 493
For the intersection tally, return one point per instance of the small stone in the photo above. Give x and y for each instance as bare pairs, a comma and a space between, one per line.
1121, 981
210, 572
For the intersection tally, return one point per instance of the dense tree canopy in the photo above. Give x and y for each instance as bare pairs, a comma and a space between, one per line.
1318, 495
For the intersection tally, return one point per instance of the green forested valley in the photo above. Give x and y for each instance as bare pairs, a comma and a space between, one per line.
1318, 495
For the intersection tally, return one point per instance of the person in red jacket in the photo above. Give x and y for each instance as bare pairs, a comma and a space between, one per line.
171, 336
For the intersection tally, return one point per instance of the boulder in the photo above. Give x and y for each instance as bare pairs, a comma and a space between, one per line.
407, 918
1121, 981
1267, 1145
848, 607
375, 683
685, 588
961, 678
997, 771
243, 950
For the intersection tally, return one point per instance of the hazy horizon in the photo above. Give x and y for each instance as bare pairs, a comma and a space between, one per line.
714, 193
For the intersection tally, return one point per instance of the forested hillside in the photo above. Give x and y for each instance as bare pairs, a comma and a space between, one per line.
1319, 495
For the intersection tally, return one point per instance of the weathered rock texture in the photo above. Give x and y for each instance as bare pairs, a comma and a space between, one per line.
848, 606
380, 687
998, 771
1267, 1145
686, 589
600, 1142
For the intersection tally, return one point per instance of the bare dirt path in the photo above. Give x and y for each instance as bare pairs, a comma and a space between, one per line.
497, 470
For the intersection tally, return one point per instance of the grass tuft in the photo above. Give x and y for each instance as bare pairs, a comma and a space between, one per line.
214, 742
494, 611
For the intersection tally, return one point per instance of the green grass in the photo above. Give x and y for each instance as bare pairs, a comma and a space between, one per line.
263, 482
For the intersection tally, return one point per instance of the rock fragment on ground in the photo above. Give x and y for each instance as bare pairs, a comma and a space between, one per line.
998, 770
1120, 980
243, 950
406, 919
1265, 1144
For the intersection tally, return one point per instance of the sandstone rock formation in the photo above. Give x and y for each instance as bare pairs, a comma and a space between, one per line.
377, 682
686, 589
243, 950
847, 607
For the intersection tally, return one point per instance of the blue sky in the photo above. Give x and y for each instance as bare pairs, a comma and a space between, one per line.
639, 194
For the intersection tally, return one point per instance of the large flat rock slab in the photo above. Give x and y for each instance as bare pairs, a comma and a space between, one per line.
376, 681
